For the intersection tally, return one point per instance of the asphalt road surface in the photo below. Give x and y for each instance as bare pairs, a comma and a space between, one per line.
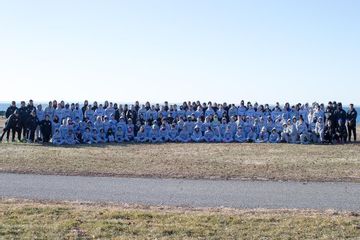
185, 193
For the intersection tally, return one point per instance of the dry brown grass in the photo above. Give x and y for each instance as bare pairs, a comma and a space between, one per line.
210, 161
46, 220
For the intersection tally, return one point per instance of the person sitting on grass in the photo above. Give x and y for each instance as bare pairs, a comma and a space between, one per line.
228, 135
183, 136
209, 135
263, 136
95, 136
57, 138
110, 135
251, 136
302, 130
274, 137
120, 135
130, 134
102, 136
141, 136
173, 133
70, 138
197, 135
164, 133
86, 136
154, 134
240, 136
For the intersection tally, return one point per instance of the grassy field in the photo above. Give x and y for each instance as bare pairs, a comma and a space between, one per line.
209, 161
29, 220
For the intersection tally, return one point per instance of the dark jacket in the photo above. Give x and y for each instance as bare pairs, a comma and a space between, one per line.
45, 126
23, 114
10, 111
351, 117
32, 123
340, 114
12, 122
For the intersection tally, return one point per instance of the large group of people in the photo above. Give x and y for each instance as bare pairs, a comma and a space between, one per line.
61, 123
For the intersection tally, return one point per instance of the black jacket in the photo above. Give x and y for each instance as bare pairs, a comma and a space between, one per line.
45, 126
340, 114
32, 123
12, 122
23, 114
10, 111
351, 117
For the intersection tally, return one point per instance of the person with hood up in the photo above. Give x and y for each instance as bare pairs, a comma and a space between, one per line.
274, 136
154, 136
263, 136
197, 135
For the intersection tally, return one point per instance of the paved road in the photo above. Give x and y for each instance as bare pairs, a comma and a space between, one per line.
188, 193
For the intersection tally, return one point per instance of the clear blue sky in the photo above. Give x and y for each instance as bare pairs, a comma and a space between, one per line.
123, 51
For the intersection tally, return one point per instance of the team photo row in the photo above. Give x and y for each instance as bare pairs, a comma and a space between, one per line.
61, 123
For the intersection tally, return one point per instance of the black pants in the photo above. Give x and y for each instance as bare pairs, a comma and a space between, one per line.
46, 136
23, 130
351, 129
7, 132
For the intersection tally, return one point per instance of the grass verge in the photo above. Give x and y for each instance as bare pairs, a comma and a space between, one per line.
172, 160
44, 220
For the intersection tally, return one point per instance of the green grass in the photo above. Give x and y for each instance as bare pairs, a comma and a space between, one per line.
31, 220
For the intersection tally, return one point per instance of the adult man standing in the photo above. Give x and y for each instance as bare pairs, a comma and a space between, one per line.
23, 117
351, 117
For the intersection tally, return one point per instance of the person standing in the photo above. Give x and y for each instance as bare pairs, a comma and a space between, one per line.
351, 117
23, 117
12, 124
31, 124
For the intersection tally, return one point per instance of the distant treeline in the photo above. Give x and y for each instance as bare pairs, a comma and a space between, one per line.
2, 113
